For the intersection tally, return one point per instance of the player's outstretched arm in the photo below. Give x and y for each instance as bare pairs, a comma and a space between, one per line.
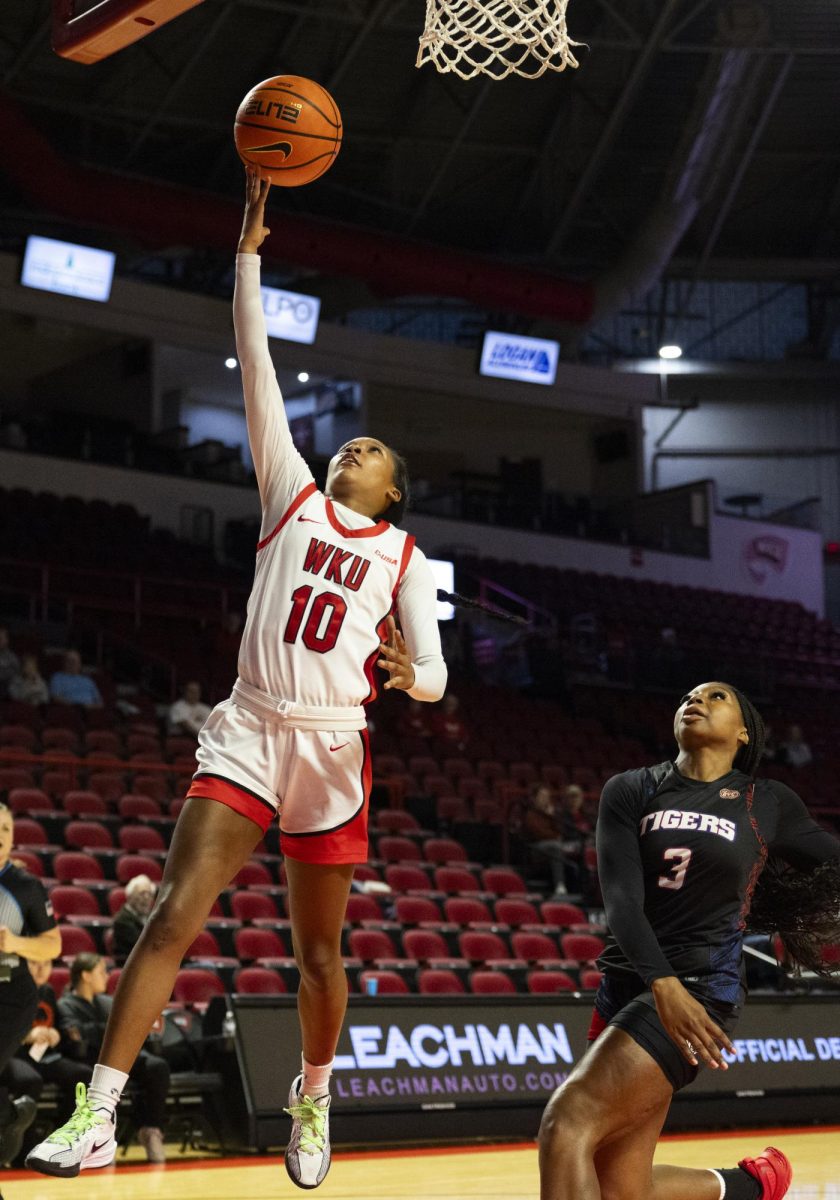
280, 470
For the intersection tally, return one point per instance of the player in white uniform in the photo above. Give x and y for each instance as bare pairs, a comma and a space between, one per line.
331, 571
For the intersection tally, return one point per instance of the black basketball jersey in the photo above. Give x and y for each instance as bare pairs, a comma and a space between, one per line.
678, 861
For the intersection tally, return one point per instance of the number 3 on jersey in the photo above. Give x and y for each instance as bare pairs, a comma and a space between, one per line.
320, 632
678, 860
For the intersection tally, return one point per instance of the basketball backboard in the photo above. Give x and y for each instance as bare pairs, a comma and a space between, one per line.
90, 30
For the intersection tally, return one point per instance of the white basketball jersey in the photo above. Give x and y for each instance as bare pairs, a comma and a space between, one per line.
317, 610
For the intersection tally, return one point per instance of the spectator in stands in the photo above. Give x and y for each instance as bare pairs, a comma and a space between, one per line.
9, 662
541, 829
39, 1059
448, 723
187, 715
82, 1016
29, 685
414, 722
795, 750
71, 686
27, 932
575, 829
140, 895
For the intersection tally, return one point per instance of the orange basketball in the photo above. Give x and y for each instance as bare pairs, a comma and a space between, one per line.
290, 127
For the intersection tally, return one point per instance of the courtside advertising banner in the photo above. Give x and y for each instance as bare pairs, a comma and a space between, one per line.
510, 356
450, 1052
292, 316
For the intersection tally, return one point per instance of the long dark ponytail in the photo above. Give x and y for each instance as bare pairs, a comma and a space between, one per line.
802, 907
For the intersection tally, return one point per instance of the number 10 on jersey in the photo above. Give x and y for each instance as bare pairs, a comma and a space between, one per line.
323, 620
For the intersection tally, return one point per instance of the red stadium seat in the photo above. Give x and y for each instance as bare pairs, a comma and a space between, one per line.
196, 986
151, 785
104, 740
549, 982
397, 849
561, 914
27, 800
29, 862
69, 900
395, 820
129, 865
590, 980
388, 983
491, 983
84, 835
424, 944
259, 981
455, 879
137, 838
59, 979
362, 908
131, 806
175, 805
204, 945
75, 940
401, 878
55, 783
411, 910
368, 944
451, 808
439, 982
516, 912
15, 777
534, 947
29, 832
113, 980
142, 743
252, 873
463, 911
66, 740
444, 850
251, 944
84, 804
481, 947
17, 737
364, 871
110, 785
504, 881
253, 906
73, 864
581, 947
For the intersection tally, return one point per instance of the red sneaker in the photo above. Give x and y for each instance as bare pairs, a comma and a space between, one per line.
772, 1170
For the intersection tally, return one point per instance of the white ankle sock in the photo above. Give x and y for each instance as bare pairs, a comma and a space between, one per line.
316, 1080
106, 1088
720, 1180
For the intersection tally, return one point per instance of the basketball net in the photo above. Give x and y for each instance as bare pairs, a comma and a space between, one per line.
497, 37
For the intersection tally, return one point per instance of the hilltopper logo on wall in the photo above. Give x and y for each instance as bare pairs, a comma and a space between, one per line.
765, 555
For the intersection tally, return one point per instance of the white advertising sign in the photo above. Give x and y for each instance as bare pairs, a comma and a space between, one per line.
444, 576
290, 315
68, 269
509, 356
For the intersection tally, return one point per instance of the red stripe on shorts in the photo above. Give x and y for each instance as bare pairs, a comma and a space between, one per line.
210, 787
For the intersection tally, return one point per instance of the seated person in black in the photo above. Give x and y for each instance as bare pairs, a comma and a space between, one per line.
82, 1016
27, 931
681, 847
128, 923
39, 1059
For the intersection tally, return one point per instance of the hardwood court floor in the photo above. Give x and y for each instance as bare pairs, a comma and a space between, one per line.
474, 1173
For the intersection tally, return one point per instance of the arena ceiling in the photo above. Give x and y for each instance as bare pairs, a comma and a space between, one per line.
558, 174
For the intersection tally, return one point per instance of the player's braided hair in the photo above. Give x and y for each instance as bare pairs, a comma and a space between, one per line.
395, 511
748, 759
802, 907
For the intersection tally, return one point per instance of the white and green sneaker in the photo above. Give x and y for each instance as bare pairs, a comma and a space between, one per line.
308, 1151
86, 1141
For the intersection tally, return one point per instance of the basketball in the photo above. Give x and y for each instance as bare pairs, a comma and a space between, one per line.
290, 128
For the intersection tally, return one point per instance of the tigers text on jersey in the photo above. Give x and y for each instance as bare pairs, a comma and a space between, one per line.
679, 859
321, 588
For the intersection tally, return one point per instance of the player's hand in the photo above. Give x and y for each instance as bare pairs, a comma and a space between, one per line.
396, 660
686, 1021
254, 231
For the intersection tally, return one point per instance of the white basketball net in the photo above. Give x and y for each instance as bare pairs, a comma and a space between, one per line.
497, 37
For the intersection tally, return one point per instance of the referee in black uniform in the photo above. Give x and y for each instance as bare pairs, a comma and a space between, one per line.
681, 847
27, 931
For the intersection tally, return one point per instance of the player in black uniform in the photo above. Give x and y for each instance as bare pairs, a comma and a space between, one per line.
27, 931
681, 847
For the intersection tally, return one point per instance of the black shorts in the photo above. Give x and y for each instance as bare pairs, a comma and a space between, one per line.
629, 1005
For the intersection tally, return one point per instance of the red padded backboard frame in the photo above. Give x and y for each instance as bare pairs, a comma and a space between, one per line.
109, 25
